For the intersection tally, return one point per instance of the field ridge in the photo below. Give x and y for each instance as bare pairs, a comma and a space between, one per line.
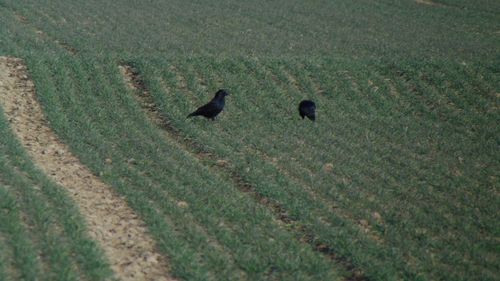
121, 234
132, 77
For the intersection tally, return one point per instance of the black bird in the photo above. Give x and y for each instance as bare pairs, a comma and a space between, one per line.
213, 108
307, 109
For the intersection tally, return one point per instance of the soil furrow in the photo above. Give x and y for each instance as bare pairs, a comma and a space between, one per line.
133, 80
111, 222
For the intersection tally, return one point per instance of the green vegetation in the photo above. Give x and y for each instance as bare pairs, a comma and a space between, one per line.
397, 179
284, 28
42, 236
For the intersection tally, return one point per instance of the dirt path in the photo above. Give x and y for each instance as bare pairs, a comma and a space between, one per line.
121, 234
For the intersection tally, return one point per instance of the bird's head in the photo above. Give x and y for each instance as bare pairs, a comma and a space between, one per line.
221, 93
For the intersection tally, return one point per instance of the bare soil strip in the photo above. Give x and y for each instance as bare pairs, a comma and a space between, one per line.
428, 2
121, 234
133, 80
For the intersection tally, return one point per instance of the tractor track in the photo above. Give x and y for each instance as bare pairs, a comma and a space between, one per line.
110, 221
134, 81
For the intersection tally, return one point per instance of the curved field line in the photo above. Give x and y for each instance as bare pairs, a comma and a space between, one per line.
133, 81
122, 235
42, 34
294, 83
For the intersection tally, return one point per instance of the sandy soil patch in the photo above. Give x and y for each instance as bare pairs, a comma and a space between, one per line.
121, 234
428, 2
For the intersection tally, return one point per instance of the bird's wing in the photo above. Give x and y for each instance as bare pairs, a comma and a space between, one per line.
309, 110
209, 108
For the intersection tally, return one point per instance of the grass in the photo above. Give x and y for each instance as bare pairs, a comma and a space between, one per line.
292, 158
397, 179
156, 200
361, 29
46, 236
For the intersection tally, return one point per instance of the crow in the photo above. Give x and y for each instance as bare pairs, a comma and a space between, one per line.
213, 108
307, 109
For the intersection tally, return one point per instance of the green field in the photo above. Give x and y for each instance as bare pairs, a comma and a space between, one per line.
398, 178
